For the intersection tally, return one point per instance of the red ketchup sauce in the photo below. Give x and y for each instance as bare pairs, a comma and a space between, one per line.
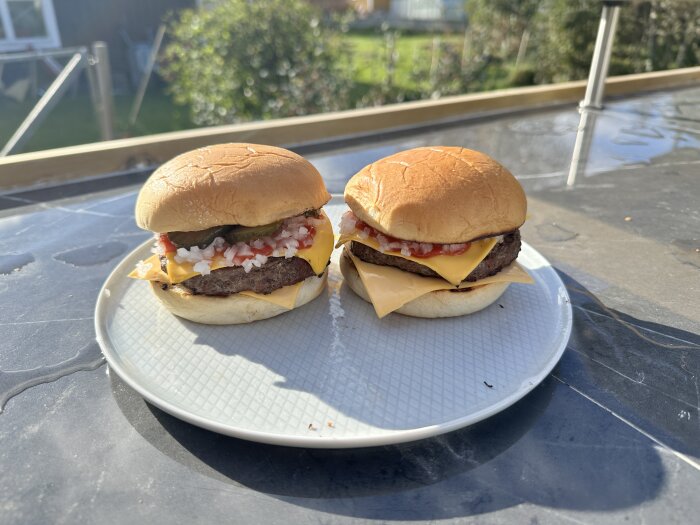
414, 248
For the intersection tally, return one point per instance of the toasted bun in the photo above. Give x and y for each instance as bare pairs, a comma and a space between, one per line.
441, 303
245, 184
437, 194
232, 309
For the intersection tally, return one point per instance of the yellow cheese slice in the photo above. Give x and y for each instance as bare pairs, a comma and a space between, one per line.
286, 297
317, 256
149, 269
390, 288
453, 268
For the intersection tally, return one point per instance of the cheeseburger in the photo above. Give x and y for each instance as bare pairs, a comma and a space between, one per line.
432, 232
239, 233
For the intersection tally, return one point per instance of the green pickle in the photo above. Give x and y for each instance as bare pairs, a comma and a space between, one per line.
202, 238
249, 233
232, 235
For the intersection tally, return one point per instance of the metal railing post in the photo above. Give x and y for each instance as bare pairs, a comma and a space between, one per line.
582, 146
104, 89
45, 104
601, 55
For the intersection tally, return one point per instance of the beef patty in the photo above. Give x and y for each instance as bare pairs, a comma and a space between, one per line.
504, 253
275, 273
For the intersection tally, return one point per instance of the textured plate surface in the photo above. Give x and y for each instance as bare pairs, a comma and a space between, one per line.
330, 374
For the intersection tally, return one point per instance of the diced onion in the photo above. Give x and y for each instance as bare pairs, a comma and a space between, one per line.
202, 267
285, 243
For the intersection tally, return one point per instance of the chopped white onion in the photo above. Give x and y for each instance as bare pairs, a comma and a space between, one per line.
349, 222
202, 267
286, 242
142, 268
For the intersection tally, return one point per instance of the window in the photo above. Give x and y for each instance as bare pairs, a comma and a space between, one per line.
27, 24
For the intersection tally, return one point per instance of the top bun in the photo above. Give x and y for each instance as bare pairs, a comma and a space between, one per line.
246, 184
437, 194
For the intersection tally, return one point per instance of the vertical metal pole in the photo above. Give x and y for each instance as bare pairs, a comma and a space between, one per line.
466, 48
33, 79
601, 55
104, 89
582, 146
92, 85
522, 48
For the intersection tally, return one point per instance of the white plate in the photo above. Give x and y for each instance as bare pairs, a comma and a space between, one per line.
330, 374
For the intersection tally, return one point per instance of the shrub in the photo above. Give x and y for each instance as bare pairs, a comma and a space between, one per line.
237, 60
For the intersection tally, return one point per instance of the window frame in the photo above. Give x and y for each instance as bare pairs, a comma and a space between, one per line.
10, 42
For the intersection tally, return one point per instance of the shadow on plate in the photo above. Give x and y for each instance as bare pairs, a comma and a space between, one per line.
336, 350
552, 449
334, 473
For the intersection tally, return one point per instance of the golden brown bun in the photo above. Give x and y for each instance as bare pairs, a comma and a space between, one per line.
437, 194
232, 309
245, 184
441, 303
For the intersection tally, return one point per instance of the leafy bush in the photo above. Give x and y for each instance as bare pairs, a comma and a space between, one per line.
522, 77
237, 60
651, 35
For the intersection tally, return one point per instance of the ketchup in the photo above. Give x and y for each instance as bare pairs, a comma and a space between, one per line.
438, 249
266, 250
165, 241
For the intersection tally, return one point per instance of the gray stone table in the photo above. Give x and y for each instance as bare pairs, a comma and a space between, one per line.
612, 435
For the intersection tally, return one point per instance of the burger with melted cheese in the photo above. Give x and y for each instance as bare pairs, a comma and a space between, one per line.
239, 233
432, 232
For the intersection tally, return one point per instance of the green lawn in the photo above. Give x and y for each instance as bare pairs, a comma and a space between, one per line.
73, 120
414, 54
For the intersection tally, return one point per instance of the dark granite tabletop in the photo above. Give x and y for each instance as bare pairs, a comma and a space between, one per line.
612, 435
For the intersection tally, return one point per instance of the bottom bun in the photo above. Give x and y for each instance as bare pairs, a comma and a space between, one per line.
231, 309
441, 303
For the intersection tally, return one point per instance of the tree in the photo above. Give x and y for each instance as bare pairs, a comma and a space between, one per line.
237, 60
651, 35
503, 27
560, 35
565, 37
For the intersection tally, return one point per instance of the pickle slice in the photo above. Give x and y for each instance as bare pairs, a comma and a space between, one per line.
202, 238
313, 213
248, 233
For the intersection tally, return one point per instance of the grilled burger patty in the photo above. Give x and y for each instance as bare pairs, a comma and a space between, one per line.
504, 253
275, 273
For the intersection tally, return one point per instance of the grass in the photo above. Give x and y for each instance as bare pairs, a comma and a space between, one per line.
414, 55
73, 120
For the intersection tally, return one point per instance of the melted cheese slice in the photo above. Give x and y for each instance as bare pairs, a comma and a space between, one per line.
286, 297
452, 268
317, 256
390, 288
149, 270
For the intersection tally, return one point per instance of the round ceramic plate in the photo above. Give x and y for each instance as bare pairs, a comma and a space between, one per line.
330, 374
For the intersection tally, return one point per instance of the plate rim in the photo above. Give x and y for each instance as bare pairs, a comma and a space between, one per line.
330, 442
